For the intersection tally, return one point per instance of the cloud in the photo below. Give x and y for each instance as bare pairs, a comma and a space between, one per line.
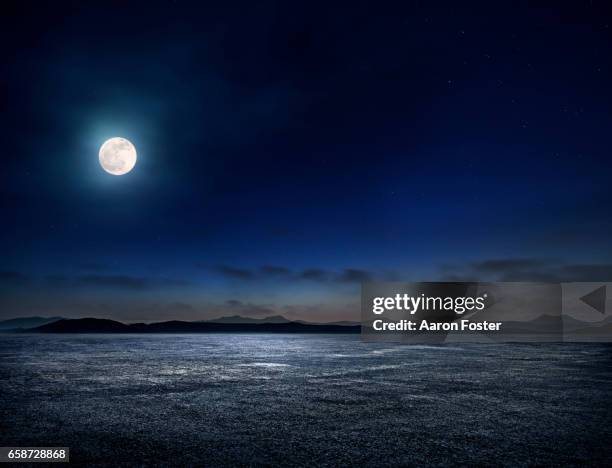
354, 276
245, 309
586, 272
349, 275
128, 282
315, 274
180, 306
113, 281
271, 270
13, 278
528, 269
57, 280
117, 282
235, 273
511, 264
93, 266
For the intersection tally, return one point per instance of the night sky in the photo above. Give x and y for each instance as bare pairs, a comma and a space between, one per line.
288, 151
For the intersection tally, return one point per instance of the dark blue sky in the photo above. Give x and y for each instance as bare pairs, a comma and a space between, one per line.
288, 151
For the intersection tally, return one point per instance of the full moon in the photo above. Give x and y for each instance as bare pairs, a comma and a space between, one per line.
117, 156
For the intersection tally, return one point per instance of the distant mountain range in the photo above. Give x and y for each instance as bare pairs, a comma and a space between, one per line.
276, 319
33, 324
26, 322
240, 319
272, 324
94, 325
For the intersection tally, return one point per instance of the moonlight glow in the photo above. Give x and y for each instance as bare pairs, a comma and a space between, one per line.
117, 156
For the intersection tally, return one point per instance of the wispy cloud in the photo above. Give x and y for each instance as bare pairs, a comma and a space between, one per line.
93, 266
349, 275
354, 276
527, 269
13, 278
315, 274
236, 273
276, 271
246, 309
127, 282
510, 264
92, 281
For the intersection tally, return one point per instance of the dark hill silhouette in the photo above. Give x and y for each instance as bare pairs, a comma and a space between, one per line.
274, 319
93, 325
84, 325
342, 323
26, 322
240, 319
